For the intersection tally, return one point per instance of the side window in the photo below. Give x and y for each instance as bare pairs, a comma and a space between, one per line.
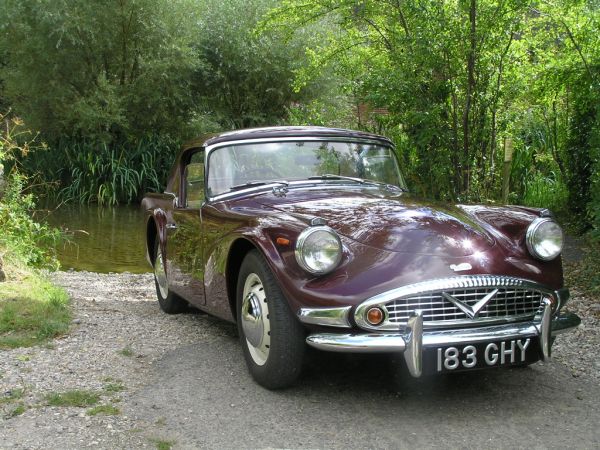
194, 180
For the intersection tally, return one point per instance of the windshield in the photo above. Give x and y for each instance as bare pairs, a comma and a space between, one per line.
237, 165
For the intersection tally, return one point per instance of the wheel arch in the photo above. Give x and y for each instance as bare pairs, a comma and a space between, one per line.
237, 252
151, 236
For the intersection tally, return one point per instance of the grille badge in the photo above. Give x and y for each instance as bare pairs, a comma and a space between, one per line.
471, 311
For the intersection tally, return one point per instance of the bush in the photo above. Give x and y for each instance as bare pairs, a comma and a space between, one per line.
23, 239
108, 174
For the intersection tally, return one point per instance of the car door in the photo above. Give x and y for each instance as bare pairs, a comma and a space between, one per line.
185, 243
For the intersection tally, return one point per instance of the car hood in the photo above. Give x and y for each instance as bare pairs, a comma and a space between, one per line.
386, 220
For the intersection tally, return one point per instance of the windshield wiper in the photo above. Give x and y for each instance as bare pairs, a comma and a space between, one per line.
250, 184
330, 176
388, 186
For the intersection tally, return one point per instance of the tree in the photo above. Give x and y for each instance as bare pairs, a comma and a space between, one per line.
247, 78
103, 69
562, 41
442, 68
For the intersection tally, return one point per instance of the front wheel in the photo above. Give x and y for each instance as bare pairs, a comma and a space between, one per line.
272, 338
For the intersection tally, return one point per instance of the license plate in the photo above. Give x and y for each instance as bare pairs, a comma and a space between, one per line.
456, 358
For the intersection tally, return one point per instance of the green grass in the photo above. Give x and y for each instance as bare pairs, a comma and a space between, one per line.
12, 396
106, 410
163, 445
126, 351
114, 387
32, 310
546, 192
18, 410
76, 398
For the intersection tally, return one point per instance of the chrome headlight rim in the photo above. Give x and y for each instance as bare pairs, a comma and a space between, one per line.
304, 235
530, 237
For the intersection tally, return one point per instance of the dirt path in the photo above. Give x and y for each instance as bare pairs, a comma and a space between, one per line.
182, 379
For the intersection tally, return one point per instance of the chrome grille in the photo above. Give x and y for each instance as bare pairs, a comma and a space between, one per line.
508, 303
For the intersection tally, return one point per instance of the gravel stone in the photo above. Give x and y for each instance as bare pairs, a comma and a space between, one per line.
113, 312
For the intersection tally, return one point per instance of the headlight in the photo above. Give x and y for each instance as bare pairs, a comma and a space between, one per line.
318, 250
544, 239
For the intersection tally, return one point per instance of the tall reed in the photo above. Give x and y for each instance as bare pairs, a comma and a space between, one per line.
106, 174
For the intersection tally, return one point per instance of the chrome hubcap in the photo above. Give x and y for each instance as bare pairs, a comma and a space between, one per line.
160, 274
255, 319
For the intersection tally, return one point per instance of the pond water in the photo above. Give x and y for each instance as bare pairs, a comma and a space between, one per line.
101, 239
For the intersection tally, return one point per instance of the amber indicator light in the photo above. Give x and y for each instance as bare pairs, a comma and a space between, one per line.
375, 316
283, 241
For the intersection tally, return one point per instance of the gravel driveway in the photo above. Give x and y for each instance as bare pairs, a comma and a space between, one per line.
182, 380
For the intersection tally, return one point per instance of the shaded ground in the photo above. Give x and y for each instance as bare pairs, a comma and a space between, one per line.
345, 402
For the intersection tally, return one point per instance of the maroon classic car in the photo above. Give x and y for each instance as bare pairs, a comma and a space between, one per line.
308, 235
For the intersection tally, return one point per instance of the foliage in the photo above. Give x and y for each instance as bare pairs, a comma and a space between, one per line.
336, 112
12, 396
562, 44
96, 172
32, 310
23, 239
124, 81
443, 69
99, 69
247, 78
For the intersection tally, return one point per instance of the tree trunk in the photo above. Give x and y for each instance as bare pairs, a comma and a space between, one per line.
469, 95
2, 274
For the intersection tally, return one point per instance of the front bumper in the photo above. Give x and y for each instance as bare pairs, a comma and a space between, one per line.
412, 342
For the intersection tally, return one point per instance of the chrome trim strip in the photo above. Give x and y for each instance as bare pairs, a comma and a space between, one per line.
413, 355
357, 343
459, 282
398, 342
545, 330
329, 317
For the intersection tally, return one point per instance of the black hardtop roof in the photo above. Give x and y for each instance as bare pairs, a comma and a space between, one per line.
278, 132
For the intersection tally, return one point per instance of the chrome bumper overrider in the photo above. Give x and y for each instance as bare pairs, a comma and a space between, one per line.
412, 342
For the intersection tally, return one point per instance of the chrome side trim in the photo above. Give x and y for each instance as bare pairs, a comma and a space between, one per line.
459, 282
329, 317
357, 343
